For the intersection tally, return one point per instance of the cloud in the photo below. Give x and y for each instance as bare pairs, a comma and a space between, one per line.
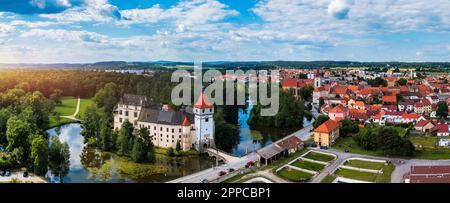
38, 6
6, 29
33, 24
338, 9
91, 11
61, 35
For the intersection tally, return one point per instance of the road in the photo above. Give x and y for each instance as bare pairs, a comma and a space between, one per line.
240, 162
77, 110
211, 174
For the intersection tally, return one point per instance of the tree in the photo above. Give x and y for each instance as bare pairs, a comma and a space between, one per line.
59, 158
306, 92
385, 140
402, 81
320, 119
91, 125
170, 152
17, 134
39, 155
348, 128
107, 141
5, 114
442, 110
107, 97
321, 102
178, 146
143, 149
377, 82
56, 96
125, 137
226, 135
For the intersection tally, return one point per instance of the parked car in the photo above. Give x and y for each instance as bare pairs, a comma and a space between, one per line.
249, 164
25, 174
230, 170
346, 151
8, 173
222, 173
204, 181
2, 173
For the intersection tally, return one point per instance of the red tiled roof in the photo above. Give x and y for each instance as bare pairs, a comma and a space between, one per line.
203, 102
338, 109
410, 116
392, 99
327, 127
430, 174
186, 122
442, 128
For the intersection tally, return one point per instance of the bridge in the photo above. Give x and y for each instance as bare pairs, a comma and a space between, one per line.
221, 155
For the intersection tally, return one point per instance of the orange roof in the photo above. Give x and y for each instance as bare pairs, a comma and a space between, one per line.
289, 83
186, 122
203, 102
327, 127
338, 109
404, 89
353, 87
359, 103
389, 99
410, 116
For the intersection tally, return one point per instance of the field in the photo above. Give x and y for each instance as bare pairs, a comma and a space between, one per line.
308, 165
84, 103
365, 164
319, 157
328, 179
294, 175
67, 107
366, 176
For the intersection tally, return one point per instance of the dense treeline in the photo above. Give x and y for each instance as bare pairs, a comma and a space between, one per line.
290, 114
386, 140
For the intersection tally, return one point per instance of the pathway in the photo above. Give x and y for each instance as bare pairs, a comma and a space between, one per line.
73, 116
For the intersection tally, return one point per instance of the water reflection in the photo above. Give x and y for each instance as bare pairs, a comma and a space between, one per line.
92, 165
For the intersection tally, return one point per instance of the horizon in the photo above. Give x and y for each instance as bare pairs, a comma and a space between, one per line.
89, 31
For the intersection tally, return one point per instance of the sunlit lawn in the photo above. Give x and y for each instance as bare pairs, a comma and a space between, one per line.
319, 157
365, 164
294, 175
385, 177
308, 165
84, 103
67, 107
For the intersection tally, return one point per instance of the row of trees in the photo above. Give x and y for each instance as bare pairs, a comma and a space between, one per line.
23, 121
386, 140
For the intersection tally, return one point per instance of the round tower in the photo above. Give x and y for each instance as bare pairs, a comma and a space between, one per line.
204, 123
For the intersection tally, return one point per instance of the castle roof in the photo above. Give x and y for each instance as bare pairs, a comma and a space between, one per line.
203, 102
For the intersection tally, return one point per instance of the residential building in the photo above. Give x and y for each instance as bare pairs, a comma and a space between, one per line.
326, 134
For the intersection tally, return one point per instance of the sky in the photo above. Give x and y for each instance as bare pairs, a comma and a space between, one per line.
82, 31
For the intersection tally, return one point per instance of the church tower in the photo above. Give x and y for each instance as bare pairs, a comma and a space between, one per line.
317, 80
186, 134
204, 123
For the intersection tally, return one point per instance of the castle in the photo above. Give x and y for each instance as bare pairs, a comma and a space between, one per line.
192, 127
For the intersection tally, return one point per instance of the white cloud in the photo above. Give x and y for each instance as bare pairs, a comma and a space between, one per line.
419, 53
338, 9
93, 10
6, 29
34, 24
61, 35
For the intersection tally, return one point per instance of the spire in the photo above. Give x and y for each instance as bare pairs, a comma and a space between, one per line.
186, 122
202, 102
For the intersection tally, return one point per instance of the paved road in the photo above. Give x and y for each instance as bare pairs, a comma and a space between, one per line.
211, 174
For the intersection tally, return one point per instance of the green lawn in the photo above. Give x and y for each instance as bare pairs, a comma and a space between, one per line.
294, 175
84, 103
343, 143
366, 176
365, 164
328, 179
319, 157
67, 107
357, 175
308, 165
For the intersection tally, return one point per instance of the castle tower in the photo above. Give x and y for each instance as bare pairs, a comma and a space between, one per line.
204, 123
186, 134
317, 80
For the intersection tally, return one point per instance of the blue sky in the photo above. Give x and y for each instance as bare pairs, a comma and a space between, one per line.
54, 31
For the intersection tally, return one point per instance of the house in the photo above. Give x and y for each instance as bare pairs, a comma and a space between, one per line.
338, 113
424, 126
326, 134
389, 99
359, 105
410, 118
418, 108
442, 130
428, 174
290, 144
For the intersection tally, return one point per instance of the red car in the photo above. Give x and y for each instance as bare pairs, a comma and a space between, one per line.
249, 164
222, 173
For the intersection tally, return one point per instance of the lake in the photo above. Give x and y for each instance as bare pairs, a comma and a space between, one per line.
88, 165
252, 139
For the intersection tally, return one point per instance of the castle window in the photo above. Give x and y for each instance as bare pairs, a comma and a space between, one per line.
167, 129
155, 127
126, 113
203, 110
173, 130
160, 128
206, 120
120, 112
173, 136
179, 136
135, 114
172, 141
120, 120
179, 130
